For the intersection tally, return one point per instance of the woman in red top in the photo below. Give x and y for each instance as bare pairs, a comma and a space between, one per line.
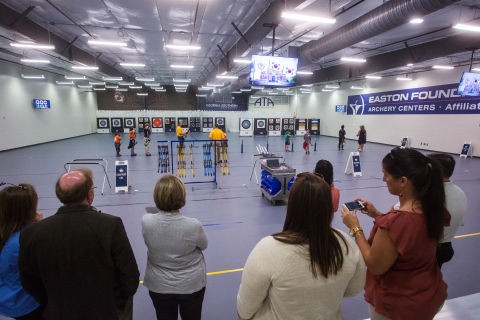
403, 278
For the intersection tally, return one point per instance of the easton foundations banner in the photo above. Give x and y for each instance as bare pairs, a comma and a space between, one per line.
218, 106
427, 100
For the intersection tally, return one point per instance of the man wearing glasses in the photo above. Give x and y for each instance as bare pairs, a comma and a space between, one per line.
79, 262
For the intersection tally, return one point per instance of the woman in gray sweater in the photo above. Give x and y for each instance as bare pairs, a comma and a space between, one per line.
176, 274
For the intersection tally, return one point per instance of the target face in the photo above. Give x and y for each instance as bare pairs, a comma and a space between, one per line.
157, 122
116, 123
198, 125
292, 121
102, 123
285, 127
277, 127
140, 125
290, 127
210, 125
205, 120
277, 121
210, 119
167, 121
220, 121
260, 124
270, 128
246, 124
270, 121
128, 123
285, 121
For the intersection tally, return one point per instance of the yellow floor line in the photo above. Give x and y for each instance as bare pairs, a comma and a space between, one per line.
241, 269
468, 235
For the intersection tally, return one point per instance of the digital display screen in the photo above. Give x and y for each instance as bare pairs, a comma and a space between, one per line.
469, 84
41, 104
341, 108
273, 71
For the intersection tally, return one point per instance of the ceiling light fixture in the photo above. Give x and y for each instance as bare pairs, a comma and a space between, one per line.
272, 93
404, 79
206, 88
152, 84
85, 67
245, 90
255, 97
65, 82
33, 76
108, 43
84, 86
304, 72
357, 87
121, 89
99, 89
373, 77
126, 83
290, 15
466, 27
33, 46
160, 90
332, 86
181, 80
215, 84
112, 78
236, 91
327, 90
227, 77
35, 61
132, 64
142, 94
476, 69
157, 88
111, 86
178, 46
353, 59
241, 61
181, 86
144, 79
201, 95
97, 83
409, 64
181, 90
442, 67
75, 78
307, 85
416, 21
181, 66
135, 87
257, 87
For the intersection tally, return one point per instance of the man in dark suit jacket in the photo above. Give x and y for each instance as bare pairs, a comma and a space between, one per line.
79, 262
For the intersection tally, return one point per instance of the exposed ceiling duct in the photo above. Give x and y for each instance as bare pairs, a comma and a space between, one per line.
381, 19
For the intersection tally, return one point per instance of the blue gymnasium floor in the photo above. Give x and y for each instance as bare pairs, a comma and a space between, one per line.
234, 213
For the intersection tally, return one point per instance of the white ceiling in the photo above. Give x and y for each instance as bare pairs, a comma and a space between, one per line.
147, 26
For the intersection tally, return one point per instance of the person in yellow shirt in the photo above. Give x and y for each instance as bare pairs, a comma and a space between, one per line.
217, 135
180, 134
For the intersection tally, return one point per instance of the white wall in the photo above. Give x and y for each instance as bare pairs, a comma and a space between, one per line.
442, 132
72, 114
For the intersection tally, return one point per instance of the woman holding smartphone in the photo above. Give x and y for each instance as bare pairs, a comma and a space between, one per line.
18, 209
306, 270
403, 278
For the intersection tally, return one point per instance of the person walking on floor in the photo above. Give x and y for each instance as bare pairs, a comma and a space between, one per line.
287, 141
132, 143
341, 137
117, 142
146, 138
79, 262
362, 137
307, 141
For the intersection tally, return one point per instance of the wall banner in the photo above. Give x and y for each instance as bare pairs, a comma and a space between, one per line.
218, 106
442, 99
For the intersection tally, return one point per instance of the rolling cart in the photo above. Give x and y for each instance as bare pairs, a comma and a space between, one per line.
277, 178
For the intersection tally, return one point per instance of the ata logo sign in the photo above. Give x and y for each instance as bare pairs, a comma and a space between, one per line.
264, 102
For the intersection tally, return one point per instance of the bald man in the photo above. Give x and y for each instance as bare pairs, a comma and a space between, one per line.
79, 262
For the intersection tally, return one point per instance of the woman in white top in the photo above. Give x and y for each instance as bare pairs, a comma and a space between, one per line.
176, 274
304, 271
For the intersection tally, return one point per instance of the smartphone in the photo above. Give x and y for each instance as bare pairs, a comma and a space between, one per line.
354, 205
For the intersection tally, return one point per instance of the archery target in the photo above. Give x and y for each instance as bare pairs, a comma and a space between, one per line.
290, 127
277, 127
102, 123
285, 121
210, 125
270, 128
129, 123
198, 125
277, 121
220, 121
116, 123
260, 124
210, 119
140, 125
205, 120
167, 120
270, 121
285, 127
246, 124
157, 123
292, 121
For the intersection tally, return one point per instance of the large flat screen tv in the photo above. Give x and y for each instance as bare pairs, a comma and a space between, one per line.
273, 71
469, 84
41, 104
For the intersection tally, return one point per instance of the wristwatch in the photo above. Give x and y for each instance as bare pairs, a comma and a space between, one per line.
353, 231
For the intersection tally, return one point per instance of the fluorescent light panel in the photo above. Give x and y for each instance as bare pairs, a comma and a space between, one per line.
236, 91
75, 78
144, 79
304, 72
307, 85
97, 83
272, 93
201, 95
241, 61
111, 87
35, 61
442, 67
327, 90
85, 67
373, 77
157, 88
33, 46
255, 97
135, 87
245, 90
353, 59
108, 43
410, 64
160, 90
126, 83
132, 64
206, 88
85, 86
99, 89
295, 16
181, 90
121, 89
181, 80
178, 46
152, 84
357, 87
112, 78
258, 87
142, 94
227, 77
33, 76
466, 27
65, 82
476, 69
416, 21
332, 86
404, 79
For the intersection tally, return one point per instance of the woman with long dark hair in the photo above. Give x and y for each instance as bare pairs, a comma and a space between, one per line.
362, 137
18, 209
403, 278
304, 271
